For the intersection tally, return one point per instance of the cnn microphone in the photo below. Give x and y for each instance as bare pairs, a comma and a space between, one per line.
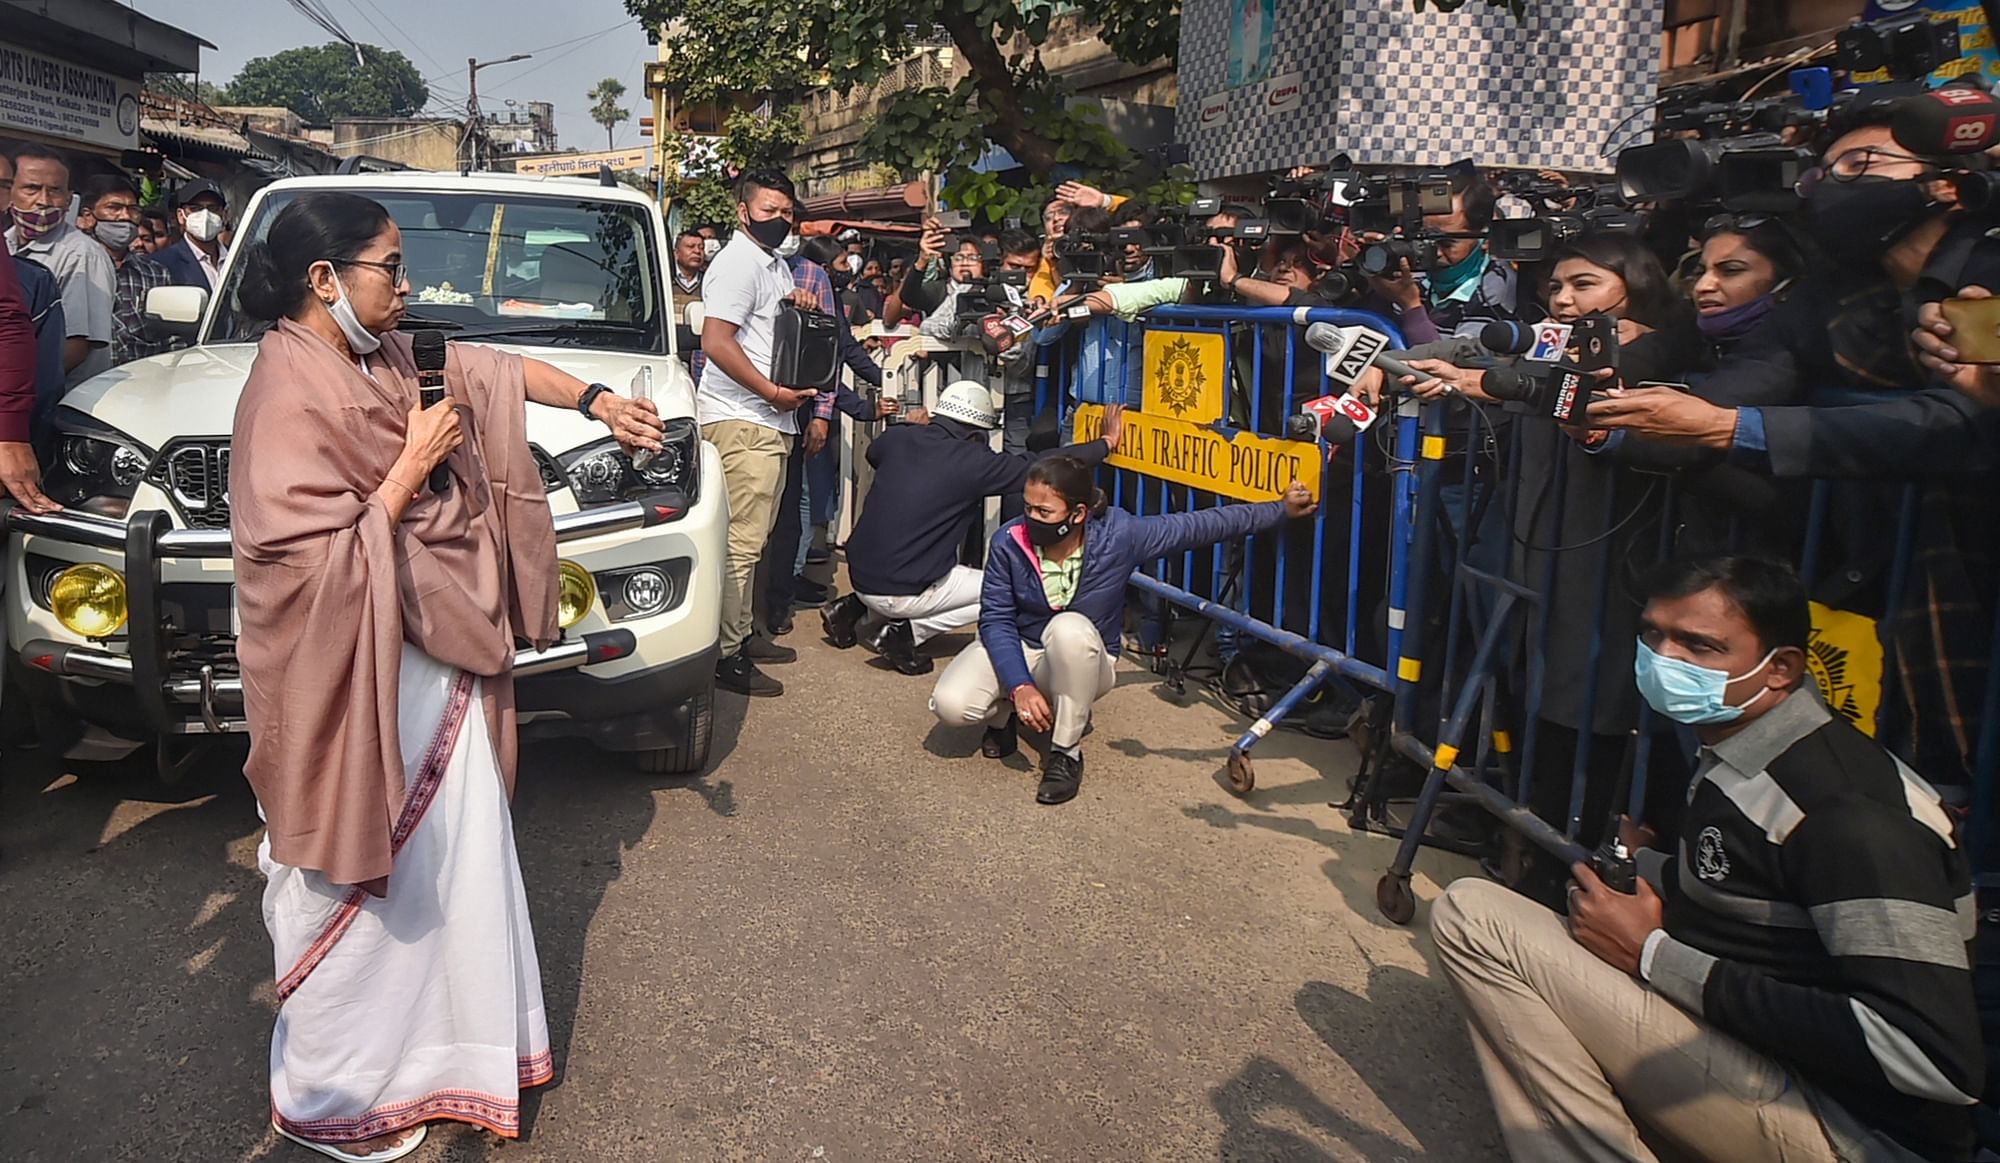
427, 348
1352, 350
1954, 119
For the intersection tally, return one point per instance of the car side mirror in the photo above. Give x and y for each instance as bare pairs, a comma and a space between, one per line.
175, 312
694, 315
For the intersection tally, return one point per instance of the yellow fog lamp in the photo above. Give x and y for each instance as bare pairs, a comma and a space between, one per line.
576, 593
89, 600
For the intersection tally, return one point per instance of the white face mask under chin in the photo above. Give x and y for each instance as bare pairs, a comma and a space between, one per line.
360, 340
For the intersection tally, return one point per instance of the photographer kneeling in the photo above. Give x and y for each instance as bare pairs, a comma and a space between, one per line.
931, 481
1051, 607
1794, 986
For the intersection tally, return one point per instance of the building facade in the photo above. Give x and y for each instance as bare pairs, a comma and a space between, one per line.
72, 72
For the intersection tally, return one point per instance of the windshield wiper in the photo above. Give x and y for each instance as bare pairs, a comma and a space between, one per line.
565, 327
410, 322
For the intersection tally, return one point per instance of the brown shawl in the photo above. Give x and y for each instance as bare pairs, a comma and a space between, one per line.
329, 590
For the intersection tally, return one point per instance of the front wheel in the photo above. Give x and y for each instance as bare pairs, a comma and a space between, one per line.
690, 756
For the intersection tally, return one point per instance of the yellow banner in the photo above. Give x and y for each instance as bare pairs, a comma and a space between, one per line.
1242, 465
1844, 656
1184, 374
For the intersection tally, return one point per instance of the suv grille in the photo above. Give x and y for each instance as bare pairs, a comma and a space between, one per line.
195, 476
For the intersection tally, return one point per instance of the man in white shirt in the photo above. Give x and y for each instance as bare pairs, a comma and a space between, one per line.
751, 421
85, 276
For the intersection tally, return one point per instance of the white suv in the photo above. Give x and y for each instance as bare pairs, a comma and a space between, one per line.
120, 609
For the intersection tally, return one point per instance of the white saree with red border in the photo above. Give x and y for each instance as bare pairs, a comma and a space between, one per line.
427, 1003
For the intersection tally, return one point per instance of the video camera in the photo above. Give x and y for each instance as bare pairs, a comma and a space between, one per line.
1748, 156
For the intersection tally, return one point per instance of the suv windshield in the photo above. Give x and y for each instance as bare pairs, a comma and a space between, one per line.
556, 270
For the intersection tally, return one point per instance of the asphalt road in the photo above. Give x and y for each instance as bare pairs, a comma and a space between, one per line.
853, 940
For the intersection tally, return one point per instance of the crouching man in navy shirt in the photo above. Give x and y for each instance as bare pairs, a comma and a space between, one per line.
1793, 983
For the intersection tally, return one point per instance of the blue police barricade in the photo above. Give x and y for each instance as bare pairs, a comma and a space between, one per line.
1209, 390
1906, 598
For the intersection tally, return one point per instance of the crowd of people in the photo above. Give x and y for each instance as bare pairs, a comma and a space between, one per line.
1781, 379
1789, 974
82, 253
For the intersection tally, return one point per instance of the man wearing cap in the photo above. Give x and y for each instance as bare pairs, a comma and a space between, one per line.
196, 260
931, 483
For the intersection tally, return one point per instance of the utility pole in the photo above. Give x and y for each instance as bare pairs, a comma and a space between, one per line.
471, 143
475, 127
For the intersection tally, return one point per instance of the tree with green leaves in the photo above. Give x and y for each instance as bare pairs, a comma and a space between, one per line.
705, 168
186, 88
607, 108
322, 83
1007, 97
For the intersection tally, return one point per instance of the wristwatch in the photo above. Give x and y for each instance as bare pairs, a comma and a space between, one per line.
589, 398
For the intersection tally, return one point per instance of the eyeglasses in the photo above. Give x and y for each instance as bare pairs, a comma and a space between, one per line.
1734, 223
1851, 165
399, 273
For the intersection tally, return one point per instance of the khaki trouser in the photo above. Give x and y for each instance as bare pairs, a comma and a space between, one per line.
753, 471
1071, 669
1586, 1063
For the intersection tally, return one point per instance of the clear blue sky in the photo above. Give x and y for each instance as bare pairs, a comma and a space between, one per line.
437, 36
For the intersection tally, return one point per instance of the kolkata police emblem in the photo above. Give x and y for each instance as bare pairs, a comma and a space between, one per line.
1180, 380
1710, 861
1827, 663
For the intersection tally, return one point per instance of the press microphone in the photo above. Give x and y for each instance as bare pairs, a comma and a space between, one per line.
1506, 337
1352, 350
1543, 342
427, 348
1954, 119
1334, 419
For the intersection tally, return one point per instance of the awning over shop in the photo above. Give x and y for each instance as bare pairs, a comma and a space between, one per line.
883, 202
203, 140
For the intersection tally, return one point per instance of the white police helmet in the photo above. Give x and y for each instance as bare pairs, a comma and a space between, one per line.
968, 402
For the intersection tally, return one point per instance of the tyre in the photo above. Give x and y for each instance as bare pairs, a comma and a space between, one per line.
691, 756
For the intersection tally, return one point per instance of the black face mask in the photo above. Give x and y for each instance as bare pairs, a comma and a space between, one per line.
1858, 221
1043, 534
768, 232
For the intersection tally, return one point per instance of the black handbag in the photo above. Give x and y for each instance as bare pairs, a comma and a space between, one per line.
805, 348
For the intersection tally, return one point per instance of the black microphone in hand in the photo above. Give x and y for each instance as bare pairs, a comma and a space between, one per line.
427, 347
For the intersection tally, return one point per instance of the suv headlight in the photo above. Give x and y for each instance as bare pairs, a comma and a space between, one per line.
95, 467
601, 473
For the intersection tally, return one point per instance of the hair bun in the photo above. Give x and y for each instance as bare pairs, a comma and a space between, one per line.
257, 290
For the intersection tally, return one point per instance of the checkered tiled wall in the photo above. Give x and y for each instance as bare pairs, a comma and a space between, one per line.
1394, 86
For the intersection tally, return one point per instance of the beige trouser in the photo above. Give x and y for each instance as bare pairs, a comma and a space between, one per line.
753, 471
1587, 1063
1071, 669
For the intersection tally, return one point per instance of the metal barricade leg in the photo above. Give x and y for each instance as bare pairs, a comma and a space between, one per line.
1243, 776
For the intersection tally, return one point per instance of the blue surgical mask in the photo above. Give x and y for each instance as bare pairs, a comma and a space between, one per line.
1686, 693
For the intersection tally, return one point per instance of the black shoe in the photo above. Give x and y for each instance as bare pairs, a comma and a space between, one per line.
1002, 741
818, 556
839, 618
758, 650
899, 646
1062, 774
807, 592
780, 624
739, 674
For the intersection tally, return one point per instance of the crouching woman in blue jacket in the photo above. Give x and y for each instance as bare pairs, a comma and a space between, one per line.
1051, 606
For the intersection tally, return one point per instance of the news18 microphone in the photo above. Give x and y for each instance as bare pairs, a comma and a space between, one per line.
427, 348
1953, 119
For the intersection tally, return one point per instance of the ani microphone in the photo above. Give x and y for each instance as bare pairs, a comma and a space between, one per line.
427, 347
